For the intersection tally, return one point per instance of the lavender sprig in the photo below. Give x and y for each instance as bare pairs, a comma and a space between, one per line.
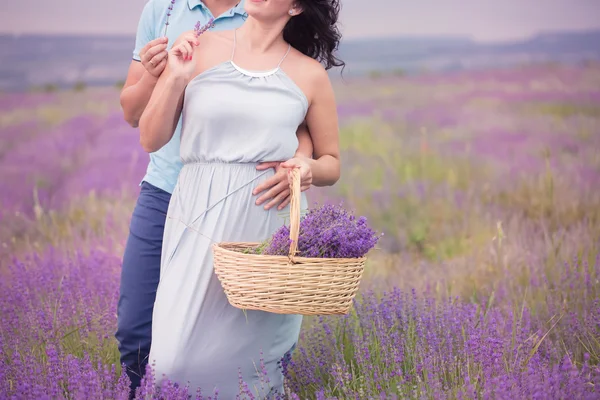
199, 30
169, 11
326, 232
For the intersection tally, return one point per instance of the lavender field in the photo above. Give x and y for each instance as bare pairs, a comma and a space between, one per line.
486, 284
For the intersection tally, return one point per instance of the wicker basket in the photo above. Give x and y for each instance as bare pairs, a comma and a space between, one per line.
287, 284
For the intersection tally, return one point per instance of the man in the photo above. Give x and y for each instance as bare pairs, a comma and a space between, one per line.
141, 261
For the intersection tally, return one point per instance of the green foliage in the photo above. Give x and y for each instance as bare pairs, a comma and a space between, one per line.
375, 75
566, 110
399, 72
79, 86
50, 88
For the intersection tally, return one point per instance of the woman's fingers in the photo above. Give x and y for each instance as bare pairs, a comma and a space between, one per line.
180, 51
305, 182
183, 50
176, 51
191, 39
187, 50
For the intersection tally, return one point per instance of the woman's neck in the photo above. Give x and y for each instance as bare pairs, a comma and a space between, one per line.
259, 37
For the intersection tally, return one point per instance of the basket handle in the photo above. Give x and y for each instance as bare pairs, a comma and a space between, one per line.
295, 193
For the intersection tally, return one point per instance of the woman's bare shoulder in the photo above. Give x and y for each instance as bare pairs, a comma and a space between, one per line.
219, 37
308, 73
308, 64
184, 36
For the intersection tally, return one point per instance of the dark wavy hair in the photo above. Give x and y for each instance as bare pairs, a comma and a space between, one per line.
314, 32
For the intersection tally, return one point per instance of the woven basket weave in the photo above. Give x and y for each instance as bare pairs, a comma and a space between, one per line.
287, 284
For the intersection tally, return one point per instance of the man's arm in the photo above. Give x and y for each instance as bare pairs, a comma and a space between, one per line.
305, 144
142, 79
277, 189
136, 92
149, 60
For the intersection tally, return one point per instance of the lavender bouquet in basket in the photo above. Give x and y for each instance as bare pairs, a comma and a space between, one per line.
327, 231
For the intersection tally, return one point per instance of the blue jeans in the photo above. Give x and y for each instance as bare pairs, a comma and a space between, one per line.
139, 280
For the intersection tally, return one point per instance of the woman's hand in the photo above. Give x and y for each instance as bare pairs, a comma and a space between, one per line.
304, 164
181, 57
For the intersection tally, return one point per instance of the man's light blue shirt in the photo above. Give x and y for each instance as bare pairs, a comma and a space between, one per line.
165, 163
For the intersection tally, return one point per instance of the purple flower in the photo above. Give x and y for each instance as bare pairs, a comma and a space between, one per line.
199, 30
327, 232
169, 10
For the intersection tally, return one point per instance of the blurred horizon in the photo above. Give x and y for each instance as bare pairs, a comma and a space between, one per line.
492, 22
352, 39
78, 47
101, 60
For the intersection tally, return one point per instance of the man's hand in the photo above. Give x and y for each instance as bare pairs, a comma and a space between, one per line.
276, 188
154, 56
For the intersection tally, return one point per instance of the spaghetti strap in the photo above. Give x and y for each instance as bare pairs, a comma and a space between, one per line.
285, 55
234, 44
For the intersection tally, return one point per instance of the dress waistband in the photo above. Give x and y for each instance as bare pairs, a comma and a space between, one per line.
218, 163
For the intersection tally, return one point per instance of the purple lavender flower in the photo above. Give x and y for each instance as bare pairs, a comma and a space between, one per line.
169, 11
537, 339
199, 30
327, 232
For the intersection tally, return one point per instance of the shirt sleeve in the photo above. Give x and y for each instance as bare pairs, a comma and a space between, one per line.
145, 30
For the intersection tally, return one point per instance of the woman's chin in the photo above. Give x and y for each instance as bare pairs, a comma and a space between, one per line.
262, 9
255, 6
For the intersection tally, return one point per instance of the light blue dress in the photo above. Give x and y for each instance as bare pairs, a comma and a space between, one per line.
232, 120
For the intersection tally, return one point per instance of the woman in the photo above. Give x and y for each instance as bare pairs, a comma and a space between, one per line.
242, 95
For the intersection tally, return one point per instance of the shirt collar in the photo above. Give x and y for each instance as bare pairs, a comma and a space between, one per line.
238, 9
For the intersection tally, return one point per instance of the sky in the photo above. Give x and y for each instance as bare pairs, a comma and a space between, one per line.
483, 20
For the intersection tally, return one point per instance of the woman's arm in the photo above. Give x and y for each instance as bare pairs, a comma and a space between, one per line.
161, 115
322, 121
143, 76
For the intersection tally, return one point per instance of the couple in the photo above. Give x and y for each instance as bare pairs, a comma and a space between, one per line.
224, 116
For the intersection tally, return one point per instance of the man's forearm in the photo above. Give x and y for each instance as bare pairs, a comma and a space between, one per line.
305, 145
134, 98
